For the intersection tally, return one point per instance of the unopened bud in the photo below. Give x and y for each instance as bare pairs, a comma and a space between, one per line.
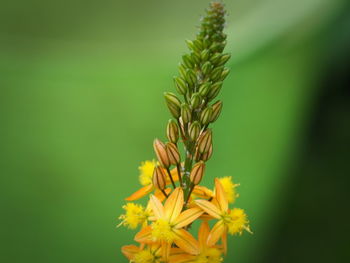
205, 54
206, 67
224, 73
216, 73
191, 77
186, 114
160, 150
224, 58
173, 104
180, 85
198, 44
217, 107
187, 61
197, 172
195, 58
194, 130
195, 100
204, 89
214, 90
172, 131
206, 115
173, 153
159, 178
182, 70
204, 141
215, 58
190, 44
206, 156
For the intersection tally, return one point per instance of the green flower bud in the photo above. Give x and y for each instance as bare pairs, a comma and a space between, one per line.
214, 90
198, 44
215, 58
182, 70
173, 104
216, 73
194, 130
206, 115
224, 73
217, 107
181, 85
206, 67
195, 100
204, 89
224, 58
188, 61
191, 77
190, 44
172, 131
186, 113
195, 58
204, 141
205, 54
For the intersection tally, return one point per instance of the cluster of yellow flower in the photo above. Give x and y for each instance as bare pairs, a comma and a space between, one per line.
164, 235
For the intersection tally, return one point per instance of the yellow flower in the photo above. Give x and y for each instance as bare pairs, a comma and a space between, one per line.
206, 254
146, 172
229, 188
150, 254
233, 221
134, 215
168, 226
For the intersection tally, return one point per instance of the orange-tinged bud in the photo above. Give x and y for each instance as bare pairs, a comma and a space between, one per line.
204, 141
206, 156
172, 131
173, 153
160, 150
217, 107
197, 172
159, 178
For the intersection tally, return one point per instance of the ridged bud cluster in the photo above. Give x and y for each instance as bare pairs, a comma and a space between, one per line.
159, 178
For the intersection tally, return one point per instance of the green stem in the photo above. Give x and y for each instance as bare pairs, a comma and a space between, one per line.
171, 178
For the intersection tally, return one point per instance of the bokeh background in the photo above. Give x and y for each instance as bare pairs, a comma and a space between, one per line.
81, 86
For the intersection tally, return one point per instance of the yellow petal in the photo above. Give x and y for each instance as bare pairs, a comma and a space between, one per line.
165, 251
173, 205
203, 234
215, 234
221, 195
187, 217
209, 208
202, 192
160, 195
181, 258
186, 241
157, 207
140, 193
130, 251
144, 236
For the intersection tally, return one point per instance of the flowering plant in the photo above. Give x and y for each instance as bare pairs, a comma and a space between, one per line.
176, 198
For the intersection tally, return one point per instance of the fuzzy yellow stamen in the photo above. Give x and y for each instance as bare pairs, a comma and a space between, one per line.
144, 256
229, 188
162, 231
210, 255
134, 215
146, 172
236, 221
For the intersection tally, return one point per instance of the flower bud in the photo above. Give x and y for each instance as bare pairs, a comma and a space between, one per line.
198, 44
214, 90
197, 172
191, 77
206, 115
195, 100
206, 156
180, 85
215, 58
160, 150
224, 73
190, 44
217, 107
224, 58
186, 114
159, 178
204, 141
194, 130
173, 104
216, 73
206, 67
182, 70
173, 153
205, 54
188, 61
195, 58
204, 89
172, 131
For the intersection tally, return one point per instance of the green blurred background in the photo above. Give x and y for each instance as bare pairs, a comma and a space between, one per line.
81, 101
